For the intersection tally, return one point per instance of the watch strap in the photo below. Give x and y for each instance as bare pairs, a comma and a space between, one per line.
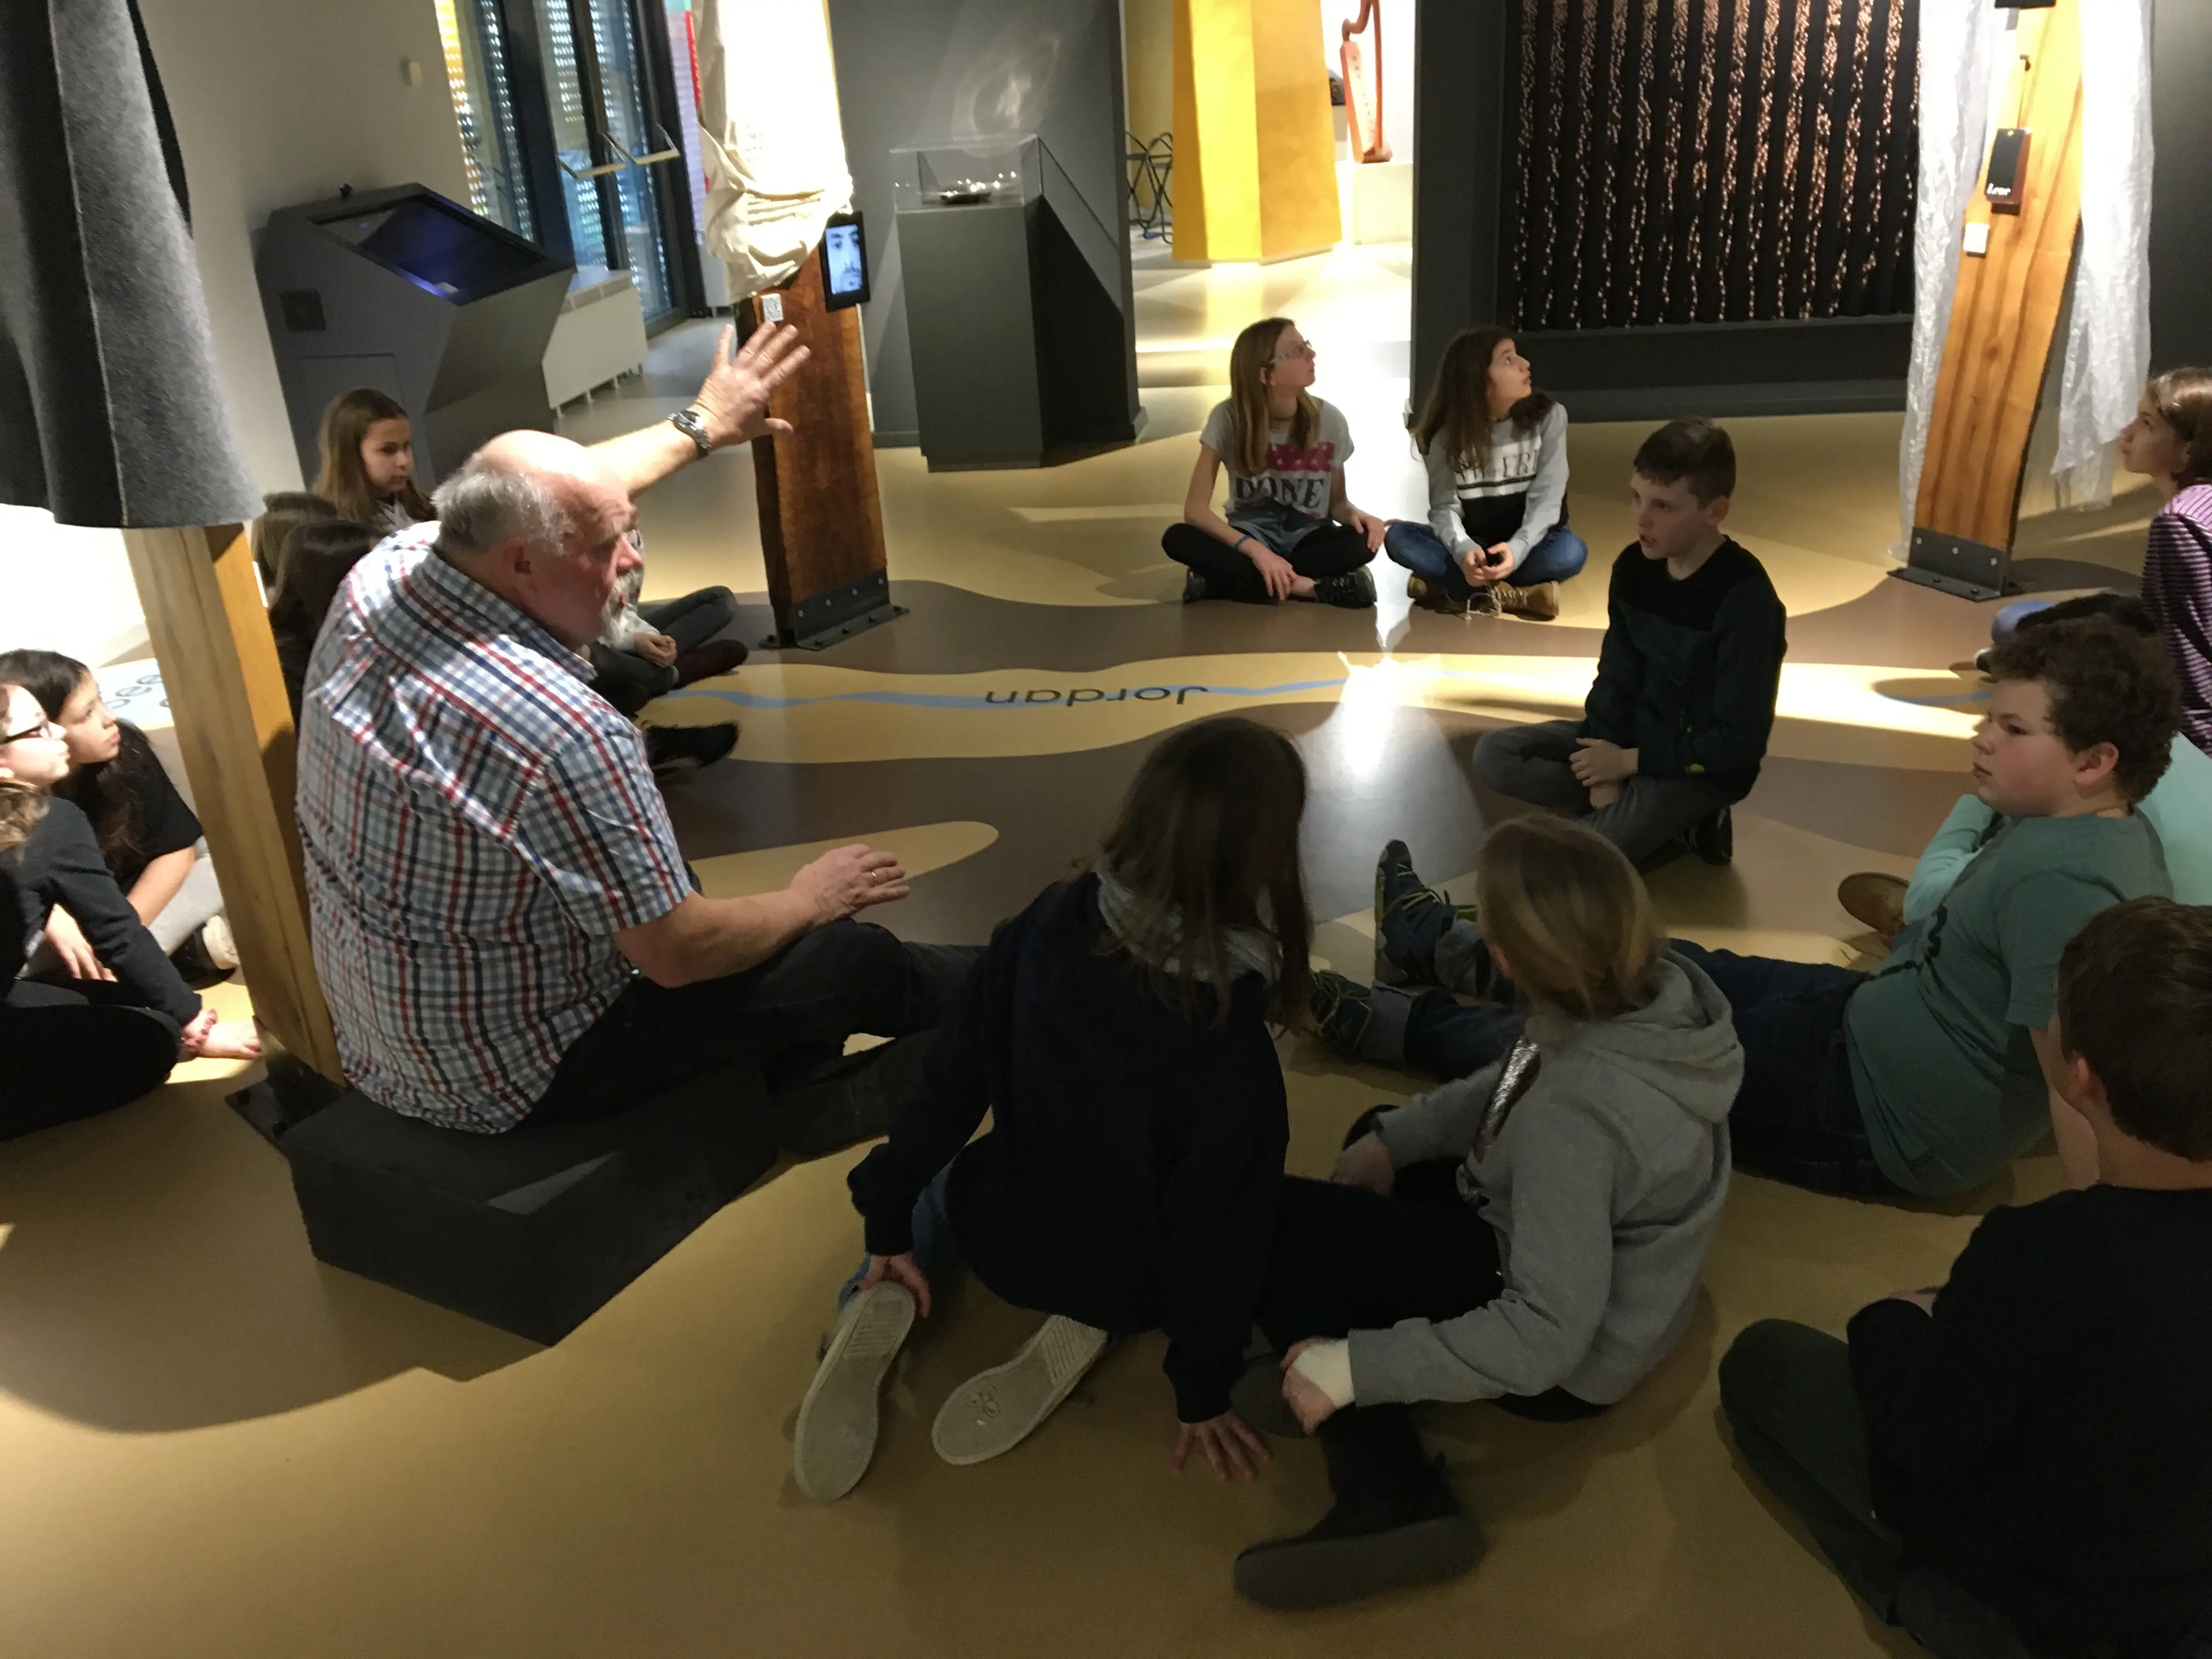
687, 422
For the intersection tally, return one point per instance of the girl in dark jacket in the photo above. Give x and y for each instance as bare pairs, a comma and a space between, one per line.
1117, 1032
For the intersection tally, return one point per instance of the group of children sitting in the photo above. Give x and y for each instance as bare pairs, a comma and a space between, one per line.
1496, 538
1496, 448
2014, 1462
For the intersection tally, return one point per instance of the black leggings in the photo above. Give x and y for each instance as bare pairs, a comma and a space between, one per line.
76, 1050
1329, 549
1347, 1259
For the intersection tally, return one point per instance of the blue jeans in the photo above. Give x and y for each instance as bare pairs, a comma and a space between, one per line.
936, 1249
1796, 1115
1560, 554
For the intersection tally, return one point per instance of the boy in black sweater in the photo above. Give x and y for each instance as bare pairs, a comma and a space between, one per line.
2024, 1453
1675, 728
1672, 736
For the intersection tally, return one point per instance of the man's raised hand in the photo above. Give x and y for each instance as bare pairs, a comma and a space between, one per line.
732, 402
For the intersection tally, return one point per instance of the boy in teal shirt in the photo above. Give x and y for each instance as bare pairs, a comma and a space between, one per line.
1932, 1074
2179, 809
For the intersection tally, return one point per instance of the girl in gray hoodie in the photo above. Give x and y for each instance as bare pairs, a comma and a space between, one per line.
1531, 1235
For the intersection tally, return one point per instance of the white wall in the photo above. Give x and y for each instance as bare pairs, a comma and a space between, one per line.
1398, 17
69, 590
279, 101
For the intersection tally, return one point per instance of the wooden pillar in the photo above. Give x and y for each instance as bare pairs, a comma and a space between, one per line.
2004, 321
1255, 149
822, 520
234, 724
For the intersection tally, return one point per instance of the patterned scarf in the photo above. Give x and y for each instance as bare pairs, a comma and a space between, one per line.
1152, 933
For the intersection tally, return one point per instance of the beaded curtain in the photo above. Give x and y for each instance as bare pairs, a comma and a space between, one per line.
1713, 160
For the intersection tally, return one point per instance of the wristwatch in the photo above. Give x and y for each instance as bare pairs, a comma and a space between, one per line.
687, 422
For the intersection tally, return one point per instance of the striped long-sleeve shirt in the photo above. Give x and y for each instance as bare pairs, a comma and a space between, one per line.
2177, 590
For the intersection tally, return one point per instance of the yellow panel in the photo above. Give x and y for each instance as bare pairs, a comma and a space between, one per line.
1217, 172
1299, 211
1148, 36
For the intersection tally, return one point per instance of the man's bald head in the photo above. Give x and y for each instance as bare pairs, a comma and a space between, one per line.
542, 521
547, 489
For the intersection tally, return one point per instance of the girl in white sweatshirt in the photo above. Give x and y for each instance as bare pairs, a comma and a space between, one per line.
1497, 537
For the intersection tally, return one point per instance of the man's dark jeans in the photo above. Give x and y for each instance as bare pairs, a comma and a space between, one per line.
793, 1013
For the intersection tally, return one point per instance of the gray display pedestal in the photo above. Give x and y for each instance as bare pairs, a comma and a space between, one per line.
405, 291
1019, 349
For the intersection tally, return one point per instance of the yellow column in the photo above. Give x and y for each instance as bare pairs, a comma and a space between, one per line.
1255, 163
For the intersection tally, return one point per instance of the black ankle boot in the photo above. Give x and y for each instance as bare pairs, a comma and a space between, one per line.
1394, 1521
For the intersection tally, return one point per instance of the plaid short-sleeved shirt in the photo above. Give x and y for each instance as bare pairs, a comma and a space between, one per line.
478, 824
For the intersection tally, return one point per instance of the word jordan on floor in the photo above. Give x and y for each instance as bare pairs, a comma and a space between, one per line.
1091, 694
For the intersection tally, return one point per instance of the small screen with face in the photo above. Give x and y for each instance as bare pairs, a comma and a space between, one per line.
844, 262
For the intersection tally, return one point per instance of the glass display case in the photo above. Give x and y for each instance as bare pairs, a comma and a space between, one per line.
926, 177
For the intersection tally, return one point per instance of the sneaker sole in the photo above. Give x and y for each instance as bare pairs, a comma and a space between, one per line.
1298, 1574
836, 1437
994, 1410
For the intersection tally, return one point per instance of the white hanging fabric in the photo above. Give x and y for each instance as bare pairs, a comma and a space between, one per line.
1960, 40
771, 132
2108, 336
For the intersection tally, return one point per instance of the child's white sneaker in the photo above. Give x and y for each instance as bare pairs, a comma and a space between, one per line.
995, 1411
837, 1420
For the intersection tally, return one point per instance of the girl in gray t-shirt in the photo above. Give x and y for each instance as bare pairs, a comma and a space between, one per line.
1290, 531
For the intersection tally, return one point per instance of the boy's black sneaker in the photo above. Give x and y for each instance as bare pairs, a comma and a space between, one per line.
1372, 1540
1340, 1012
676, 750
1409, 919
1713, 839
1351, 589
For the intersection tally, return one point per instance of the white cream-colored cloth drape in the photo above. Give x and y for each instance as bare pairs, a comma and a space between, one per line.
1960, 40
771, 135
2108, 336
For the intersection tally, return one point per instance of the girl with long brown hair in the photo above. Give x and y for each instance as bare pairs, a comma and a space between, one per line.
2174, 427
1496, 448
1118, 1033
86, 1045
2169, 442
367, 449
1290, 531
148, 838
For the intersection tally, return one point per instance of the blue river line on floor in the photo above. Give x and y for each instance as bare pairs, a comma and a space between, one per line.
1034, 697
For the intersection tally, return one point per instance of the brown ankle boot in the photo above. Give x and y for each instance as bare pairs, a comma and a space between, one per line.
1876, 899
1538, 602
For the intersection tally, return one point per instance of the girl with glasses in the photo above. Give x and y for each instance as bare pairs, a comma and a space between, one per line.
148, 838
91, 1044
1290, 531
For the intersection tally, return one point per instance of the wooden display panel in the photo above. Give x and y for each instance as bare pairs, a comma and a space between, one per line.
2004, 314
234, 726
822, 520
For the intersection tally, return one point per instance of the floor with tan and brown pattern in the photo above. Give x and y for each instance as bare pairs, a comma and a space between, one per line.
215, 1446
